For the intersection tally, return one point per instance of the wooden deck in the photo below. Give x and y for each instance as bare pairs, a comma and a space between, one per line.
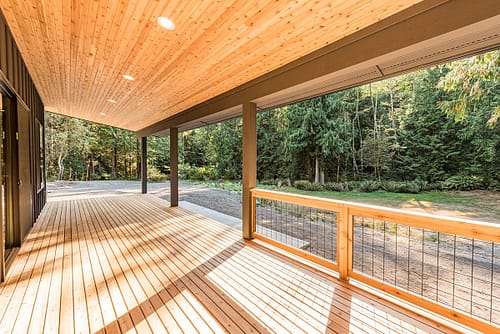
132, 264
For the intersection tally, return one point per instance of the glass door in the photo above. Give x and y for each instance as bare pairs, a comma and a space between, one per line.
6, 210
2, 202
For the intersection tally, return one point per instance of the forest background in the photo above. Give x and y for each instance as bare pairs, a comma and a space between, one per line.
432, 129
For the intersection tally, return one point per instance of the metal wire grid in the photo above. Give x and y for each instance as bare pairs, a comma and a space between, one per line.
458, 272
312, 230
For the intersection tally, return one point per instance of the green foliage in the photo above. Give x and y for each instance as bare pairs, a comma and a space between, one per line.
410, 187
301, 184
369, 186
268, 182
203, 173
155, 175
474, 84
463, 182
337, 186
309, 186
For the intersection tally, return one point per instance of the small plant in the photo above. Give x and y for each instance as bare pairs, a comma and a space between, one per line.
369, 186
411, 187
301, 184
494, 185
437, 186
308, 186
391, 186
337, 186
268, 182
353, 185
315, 186
463, 182
154, 175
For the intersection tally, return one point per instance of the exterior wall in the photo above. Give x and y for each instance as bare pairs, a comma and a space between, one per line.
22, 132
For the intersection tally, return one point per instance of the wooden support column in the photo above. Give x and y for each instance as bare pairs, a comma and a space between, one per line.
249, 166
144, 164
174, 167
2, 221
344, 242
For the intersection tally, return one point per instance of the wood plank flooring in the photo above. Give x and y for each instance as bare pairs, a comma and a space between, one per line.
131, 264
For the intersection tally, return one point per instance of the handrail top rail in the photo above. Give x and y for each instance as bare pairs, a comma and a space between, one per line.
280, 195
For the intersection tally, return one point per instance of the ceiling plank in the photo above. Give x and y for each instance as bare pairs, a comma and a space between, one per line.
77, 51
410, 27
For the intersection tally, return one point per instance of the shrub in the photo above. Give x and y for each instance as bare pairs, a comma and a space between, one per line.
463, 182
314, 186
203, 173
301, 184
337, 186
369, 186
154, 174
353, 185
437, 186
494, 185
424, 185
268, 182
412, 187
308, 186
391, 186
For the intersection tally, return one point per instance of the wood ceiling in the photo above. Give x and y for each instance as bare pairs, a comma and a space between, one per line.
77, 51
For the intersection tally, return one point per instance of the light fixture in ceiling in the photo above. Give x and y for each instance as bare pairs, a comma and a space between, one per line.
166, 23
111, 101
102, 114
128, 77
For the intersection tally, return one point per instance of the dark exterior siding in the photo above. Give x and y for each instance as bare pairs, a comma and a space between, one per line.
24, 127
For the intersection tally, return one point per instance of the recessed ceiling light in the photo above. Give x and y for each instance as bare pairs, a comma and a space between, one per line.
102, 114
166, 23
111, 101
128, 77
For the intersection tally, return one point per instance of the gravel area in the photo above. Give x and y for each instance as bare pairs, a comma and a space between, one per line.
227, 202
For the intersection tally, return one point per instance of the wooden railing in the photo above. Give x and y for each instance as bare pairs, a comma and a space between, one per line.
449, 266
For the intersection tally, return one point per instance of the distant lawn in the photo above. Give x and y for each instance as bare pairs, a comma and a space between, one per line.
478, 205
381, 196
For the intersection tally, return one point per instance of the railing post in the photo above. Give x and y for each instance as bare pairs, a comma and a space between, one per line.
249, 167
344, 242
174, 167
144, 165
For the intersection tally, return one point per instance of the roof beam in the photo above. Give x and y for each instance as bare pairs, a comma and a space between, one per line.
424, 21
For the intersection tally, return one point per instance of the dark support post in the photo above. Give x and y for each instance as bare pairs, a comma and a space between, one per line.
144, 164
249, 166
174, 167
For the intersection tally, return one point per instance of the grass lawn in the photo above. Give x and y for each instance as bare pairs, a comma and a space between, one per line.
478, 205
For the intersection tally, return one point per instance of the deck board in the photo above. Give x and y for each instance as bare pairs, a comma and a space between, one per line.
132, 264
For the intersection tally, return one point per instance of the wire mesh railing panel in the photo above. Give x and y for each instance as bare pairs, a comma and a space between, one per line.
311, 230
458, 272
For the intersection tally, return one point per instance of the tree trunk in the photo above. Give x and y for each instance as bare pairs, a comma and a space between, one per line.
92, 163
375, 130
113, 162
138, 160
316, 170
89, 161
60, 164
338, 169
360, 130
